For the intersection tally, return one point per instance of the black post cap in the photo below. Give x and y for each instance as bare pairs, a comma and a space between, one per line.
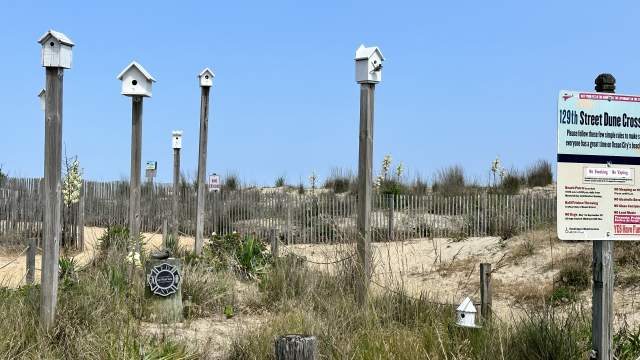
606, 83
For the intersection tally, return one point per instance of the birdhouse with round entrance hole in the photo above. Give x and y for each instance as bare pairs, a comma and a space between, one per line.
466, 314
206, 77
369, 65
176, 139
56, 50
136, 81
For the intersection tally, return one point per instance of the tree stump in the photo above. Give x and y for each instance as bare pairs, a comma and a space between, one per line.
163, 290
296, 347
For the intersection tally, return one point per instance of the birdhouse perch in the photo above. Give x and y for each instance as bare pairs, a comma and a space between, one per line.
368, 65
466, 314
176, 139
206, 77
136, 81
56, 50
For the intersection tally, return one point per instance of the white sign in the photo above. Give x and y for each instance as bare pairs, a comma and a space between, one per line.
598, 158
214, 183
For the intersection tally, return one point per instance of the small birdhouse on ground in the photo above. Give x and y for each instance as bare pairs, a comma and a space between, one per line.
43, 99
56, 49
136, 81
176, 139
466, 314
369, 64
206, 77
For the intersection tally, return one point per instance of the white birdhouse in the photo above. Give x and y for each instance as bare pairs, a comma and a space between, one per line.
136, 81
206, 77
43, 99
176, 139
56, 50
466, 314
369, 65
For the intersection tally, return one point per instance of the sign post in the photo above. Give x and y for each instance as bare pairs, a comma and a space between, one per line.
151, 169
55, 57
598, 186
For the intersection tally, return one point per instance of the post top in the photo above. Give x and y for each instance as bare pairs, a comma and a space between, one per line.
60, 37
363, 52
605, 83
177, 133
206, 71
139, 67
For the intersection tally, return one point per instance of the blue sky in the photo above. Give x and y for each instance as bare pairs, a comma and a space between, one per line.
463, 81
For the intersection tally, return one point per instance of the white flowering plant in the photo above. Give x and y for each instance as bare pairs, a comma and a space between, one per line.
72, 184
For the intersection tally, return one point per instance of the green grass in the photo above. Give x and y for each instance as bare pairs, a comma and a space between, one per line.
394, 325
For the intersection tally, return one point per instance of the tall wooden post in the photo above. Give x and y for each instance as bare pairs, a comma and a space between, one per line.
136, 83
55, 56
136, 164
485, 291
365, 184
177, 145
206, 80
368, 73
602, 297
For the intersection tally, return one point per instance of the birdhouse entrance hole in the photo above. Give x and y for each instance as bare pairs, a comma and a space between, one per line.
134, 82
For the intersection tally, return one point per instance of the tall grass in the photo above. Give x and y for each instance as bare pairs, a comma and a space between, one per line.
539, 174
395, 325
450, 181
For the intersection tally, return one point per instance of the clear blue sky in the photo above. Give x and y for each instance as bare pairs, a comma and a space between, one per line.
463, 81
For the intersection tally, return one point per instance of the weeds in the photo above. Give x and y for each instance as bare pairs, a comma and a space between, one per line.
539, 174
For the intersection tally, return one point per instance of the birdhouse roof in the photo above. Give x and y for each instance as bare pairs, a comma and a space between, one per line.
42, 92
206, 70
467, 306
62, 38
177, 132
139, 67
367, 52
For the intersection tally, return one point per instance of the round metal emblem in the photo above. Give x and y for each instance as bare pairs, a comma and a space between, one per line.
164, 279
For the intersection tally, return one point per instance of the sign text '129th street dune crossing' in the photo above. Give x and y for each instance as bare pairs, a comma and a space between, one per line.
598, 166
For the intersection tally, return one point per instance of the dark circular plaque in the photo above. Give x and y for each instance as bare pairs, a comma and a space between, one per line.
164, 279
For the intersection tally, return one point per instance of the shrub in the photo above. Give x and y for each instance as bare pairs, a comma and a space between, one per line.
231, 183
205, 291
450, 181
3, 177
392, 187
419, 186
246, 255
575, 273
540, 174
340, 181
115, 238
511, 183
280, 182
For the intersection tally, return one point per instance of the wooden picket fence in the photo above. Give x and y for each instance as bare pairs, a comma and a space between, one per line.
314, 217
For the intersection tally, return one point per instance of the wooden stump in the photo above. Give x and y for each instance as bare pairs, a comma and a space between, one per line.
163, 308
296, 347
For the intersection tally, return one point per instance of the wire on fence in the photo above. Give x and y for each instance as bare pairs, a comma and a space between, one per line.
14, 260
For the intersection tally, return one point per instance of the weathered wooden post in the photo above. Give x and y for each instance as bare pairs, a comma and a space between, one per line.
368, 74
603, 275
206, 81
164, 233
391, 202
485, 291
164, 288
31, 260
136, 83
176, 143
296, 347
55, 57
273, 235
